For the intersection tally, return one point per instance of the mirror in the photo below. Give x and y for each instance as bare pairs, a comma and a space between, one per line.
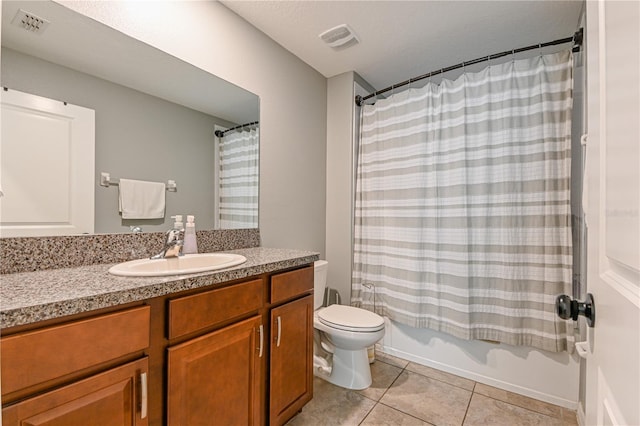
155, 115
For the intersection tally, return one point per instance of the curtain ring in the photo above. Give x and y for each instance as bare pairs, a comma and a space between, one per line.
540, 49
513, 55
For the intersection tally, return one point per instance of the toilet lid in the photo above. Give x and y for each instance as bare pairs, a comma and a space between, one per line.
350, 318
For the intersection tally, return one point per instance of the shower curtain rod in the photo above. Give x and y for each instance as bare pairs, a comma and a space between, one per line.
221, 133
576, 39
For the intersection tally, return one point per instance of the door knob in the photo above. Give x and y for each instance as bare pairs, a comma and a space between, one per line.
568, 308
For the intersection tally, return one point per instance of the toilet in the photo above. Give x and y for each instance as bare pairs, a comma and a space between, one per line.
341, 337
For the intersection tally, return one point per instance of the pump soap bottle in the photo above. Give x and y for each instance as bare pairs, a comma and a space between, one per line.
190, 242
177, 224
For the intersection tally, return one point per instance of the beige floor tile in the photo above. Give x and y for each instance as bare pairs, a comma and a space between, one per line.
569, 417
333, 405
382, 376
381, 415
390, 359
519, 400
452, 379
427, 399
421, 395
487, 411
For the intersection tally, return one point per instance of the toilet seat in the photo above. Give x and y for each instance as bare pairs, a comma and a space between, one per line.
350, 318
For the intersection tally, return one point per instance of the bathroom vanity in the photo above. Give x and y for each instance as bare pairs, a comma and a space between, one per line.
80, 346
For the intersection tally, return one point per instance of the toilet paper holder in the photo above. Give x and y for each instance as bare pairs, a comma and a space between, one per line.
570, 308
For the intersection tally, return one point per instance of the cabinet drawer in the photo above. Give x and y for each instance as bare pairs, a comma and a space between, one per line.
290, 284
112, 397
192, 313
37, 356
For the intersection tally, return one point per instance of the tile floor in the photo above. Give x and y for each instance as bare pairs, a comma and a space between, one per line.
405, 393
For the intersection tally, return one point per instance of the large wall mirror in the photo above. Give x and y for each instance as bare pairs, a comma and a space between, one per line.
155, 120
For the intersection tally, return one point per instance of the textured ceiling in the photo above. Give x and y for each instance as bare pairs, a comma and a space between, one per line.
402, 39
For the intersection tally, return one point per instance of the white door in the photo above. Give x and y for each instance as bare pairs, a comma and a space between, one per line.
613, 182
46, 166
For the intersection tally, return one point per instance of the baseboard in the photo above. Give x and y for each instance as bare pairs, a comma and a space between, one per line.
572, 405
582, 419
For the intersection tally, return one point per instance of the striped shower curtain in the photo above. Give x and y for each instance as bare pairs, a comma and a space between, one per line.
462, 217
238, 180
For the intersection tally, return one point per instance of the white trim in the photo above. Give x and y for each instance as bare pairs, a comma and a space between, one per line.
623, 286
609, 406
602, 133
580, 414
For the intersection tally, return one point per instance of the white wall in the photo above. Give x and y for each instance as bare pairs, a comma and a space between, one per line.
341, 117
339, 178
292, 102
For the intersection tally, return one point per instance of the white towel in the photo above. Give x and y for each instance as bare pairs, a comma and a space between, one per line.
141, 200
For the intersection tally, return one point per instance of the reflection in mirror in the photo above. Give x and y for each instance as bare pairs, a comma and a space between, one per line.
238, 176
155, 118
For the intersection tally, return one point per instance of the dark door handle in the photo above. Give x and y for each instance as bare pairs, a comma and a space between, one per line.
567, 308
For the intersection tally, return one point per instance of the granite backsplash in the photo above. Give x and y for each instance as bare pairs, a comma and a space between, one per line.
29, 254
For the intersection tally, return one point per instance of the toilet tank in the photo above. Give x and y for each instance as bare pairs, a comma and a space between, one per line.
320, 268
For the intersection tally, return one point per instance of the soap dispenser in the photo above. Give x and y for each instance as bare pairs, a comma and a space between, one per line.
190, 242
177, 224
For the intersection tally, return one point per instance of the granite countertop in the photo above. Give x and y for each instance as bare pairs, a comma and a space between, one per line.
29, 297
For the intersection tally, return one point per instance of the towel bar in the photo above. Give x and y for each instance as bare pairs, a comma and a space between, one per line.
106, 181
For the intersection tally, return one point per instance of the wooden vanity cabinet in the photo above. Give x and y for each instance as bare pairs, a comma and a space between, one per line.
291, 355
220, 377
90, 371
291, 385
216, 378
238, 353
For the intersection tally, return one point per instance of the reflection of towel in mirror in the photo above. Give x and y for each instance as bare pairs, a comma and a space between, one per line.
141, 200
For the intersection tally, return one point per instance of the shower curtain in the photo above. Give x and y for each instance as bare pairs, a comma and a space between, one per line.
238, 179
462, 213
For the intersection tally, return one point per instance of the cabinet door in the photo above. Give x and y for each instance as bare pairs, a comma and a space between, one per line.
291, 385
215, 379
116, 397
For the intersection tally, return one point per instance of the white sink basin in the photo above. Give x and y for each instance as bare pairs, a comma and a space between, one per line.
187, 264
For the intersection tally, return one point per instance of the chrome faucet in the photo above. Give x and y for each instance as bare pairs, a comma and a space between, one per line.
172, 245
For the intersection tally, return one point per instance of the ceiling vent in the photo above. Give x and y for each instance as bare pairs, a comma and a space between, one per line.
340, 37
30, 22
